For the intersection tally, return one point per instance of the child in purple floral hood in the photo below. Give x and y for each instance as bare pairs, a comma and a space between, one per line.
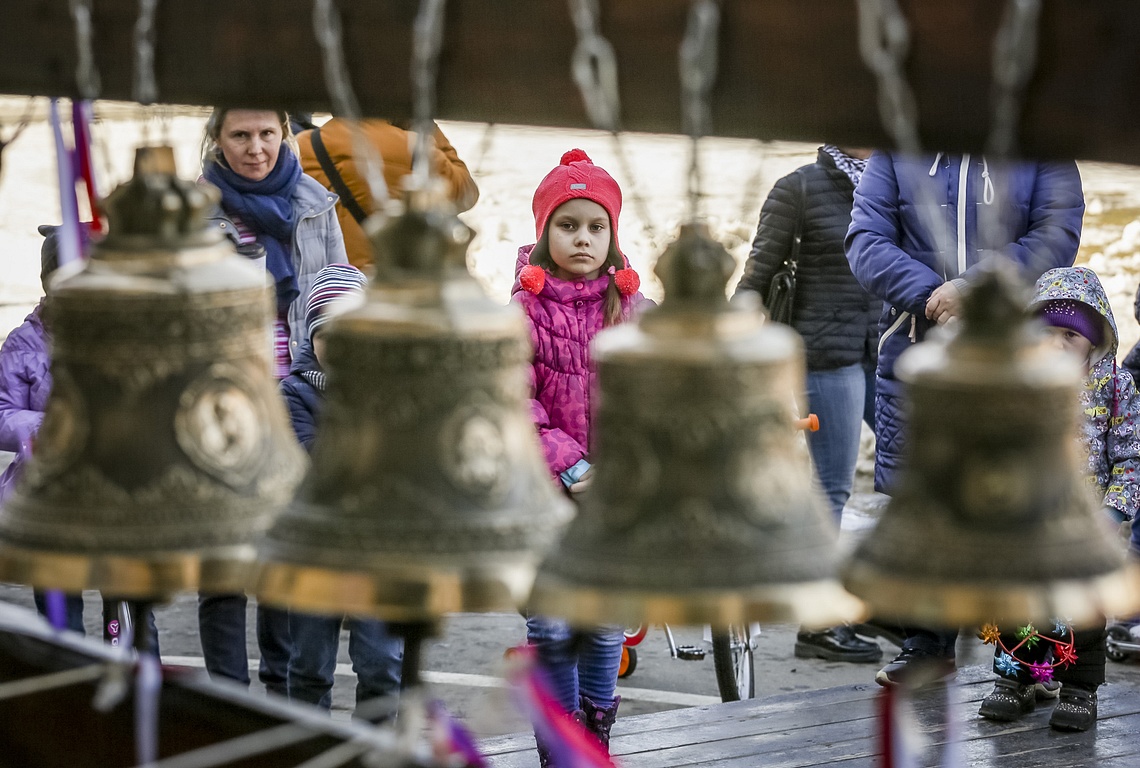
573, 283
1072, 304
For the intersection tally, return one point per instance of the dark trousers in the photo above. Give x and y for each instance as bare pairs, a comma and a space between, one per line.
221, 630
72, 618
376, 658
1086, 672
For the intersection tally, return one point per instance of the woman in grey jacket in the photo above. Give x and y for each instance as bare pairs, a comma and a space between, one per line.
271, 209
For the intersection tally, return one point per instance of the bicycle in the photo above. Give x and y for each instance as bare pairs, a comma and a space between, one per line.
733, 650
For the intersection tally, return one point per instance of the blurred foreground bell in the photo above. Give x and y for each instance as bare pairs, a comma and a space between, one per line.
702, 509
428, 493
165, 449
991, 519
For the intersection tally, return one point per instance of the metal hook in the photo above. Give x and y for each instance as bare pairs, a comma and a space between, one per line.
427, 43
86, 76
328, 31
884, 41
1015, 57
698, 62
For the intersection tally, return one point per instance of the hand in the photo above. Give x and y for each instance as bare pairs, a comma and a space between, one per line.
583, 482
945, 303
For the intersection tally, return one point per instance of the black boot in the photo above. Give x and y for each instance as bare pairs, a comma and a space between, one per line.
1075, 710
836, 644
1008, 701
599, 721
543, 754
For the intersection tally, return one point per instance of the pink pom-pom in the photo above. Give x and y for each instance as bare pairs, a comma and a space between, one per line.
627, 281
532, 278
575, 156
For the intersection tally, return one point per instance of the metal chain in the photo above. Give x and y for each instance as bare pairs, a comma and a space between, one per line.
884, 41
1015, 58
86, 76
145, 86
698, 63
427, 42
593, 66
328, 31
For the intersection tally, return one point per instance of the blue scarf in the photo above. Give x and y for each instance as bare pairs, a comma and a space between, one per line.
266, 207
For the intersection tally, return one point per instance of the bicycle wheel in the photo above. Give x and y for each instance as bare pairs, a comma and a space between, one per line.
732, 660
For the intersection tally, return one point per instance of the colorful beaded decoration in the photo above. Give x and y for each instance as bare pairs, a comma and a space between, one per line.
1061, 654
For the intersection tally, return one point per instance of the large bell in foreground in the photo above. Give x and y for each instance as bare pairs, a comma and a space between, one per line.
165, 449
991, 519
703, 508
428, 493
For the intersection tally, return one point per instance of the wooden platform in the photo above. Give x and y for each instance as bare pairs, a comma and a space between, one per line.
838, 726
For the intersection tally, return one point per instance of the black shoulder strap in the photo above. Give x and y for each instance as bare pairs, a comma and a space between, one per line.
346, 197
798, 234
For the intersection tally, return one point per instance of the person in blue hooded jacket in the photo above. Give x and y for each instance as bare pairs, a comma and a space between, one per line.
921, 226
376, 655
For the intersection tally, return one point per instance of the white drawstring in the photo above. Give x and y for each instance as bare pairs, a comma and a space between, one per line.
934, 166
987, 183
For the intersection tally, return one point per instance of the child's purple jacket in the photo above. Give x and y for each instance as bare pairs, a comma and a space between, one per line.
25, 381
563, 319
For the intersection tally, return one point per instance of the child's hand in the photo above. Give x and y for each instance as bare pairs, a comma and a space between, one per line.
583, 482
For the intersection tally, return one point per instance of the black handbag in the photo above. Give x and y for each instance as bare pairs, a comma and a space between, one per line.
781, 299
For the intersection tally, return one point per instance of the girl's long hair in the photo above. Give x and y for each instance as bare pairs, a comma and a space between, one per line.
611, 311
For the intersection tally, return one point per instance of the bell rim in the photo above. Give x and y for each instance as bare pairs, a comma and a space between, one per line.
151, 575
398, 590
934, 603
814, 604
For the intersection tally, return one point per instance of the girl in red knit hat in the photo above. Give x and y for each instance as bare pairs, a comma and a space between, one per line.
573, 282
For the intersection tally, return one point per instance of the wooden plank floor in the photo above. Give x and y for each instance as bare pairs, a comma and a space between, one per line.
837, 726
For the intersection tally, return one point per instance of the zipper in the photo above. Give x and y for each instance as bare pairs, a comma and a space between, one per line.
963, 178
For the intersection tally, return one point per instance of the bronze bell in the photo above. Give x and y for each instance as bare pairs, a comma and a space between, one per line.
165, 449
428, 493
702, 509
991, 519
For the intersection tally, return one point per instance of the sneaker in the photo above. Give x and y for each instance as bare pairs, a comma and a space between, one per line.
1075, 710
872, 627
836, 644
916, 668
1048, 690
1008, 701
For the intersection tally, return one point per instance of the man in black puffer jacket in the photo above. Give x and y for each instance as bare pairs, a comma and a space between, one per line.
838, 321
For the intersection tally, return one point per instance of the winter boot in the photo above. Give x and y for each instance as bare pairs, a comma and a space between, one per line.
1008, 701
599, 721
544, 759
1075, 710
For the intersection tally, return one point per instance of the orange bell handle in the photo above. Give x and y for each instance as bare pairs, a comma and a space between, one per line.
809, 424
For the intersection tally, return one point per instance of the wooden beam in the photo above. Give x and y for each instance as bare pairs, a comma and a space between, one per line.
789, 69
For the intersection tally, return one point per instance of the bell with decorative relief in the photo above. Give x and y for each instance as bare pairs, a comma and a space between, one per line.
165, 449
428, 492
991, 519
702, 508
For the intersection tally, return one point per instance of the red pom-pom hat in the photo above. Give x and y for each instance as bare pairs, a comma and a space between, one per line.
576, 176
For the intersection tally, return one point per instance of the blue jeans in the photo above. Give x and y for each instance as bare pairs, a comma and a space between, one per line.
577, 663
221, 629
376, 658
841, 398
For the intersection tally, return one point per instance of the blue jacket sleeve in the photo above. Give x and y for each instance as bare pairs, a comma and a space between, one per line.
873, 241
302, 418
1056, 210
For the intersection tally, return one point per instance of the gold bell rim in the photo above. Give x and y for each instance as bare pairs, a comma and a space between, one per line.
1080, 602
814, 604
396, 591
150, 575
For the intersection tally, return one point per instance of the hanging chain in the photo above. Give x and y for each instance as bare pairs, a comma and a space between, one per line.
698, 62
1015, 57
145, 87
328, 32
884, 41
86, 76
593, 66
427, 41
